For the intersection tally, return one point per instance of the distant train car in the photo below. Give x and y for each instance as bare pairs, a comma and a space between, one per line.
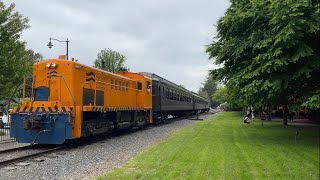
169, 98
70, 100
200, 103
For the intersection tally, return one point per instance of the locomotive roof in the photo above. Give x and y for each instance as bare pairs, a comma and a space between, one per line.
85, 66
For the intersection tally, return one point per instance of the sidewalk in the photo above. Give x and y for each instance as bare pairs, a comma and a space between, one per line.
299, 122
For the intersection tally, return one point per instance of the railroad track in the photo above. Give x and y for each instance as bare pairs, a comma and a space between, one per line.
14, 160
15, 149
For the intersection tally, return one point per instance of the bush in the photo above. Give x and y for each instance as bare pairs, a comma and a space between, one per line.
2, 133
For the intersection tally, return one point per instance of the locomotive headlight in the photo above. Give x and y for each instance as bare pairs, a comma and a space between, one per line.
53, 65
48, 65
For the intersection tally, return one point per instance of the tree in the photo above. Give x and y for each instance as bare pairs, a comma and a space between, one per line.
110, 60
225, 96
269, 51
209, 87
14, 57
203, 93
221, 95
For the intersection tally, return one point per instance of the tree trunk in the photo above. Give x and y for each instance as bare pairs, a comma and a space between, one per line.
269, 113
260, 112
285, 115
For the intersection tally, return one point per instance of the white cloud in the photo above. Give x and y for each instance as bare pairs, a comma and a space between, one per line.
164, 37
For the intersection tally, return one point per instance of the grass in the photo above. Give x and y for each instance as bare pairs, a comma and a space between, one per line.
225, 148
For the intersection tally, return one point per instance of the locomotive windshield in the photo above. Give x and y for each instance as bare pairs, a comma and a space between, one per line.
41, 93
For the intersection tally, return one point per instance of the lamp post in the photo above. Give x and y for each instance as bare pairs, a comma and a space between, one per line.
67, 41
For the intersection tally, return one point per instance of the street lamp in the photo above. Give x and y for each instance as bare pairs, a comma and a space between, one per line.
50, 44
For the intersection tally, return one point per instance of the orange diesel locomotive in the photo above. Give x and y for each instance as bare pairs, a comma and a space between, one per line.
71, 100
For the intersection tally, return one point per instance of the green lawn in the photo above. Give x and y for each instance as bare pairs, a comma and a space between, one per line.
225, 148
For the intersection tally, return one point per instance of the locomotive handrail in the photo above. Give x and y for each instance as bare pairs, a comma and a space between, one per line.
49, 77
74, 100
24, 88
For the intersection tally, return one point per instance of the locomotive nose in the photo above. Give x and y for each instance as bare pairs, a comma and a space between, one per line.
42, 128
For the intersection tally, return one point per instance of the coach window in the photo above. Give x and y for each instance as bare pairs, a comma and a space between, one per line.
139, 85
172, 95
163, 92
175, 95
148, 86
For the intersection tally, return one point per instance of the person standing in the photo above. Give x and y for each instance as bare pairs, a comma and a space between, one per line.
291, 116
5, 119
252, 113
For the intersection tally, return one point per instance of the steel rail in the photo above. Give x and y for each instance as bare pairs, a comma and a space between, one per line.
15, 149
30, 156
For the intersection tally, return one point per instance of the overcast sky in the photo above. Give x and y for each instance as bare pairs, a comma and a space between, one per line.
166, 37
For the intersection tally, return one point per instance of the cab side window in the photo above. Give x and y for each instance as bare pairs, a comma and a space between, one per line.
139, 85
148, 86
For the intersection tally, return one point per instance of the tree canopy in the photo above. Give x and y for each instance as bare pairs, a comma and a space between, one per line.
110, 60
15, 60
269, 52
209, 87
221, 95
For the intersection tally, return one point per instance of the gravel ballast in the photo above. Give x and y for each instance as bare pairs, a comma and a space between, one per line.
93, 160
